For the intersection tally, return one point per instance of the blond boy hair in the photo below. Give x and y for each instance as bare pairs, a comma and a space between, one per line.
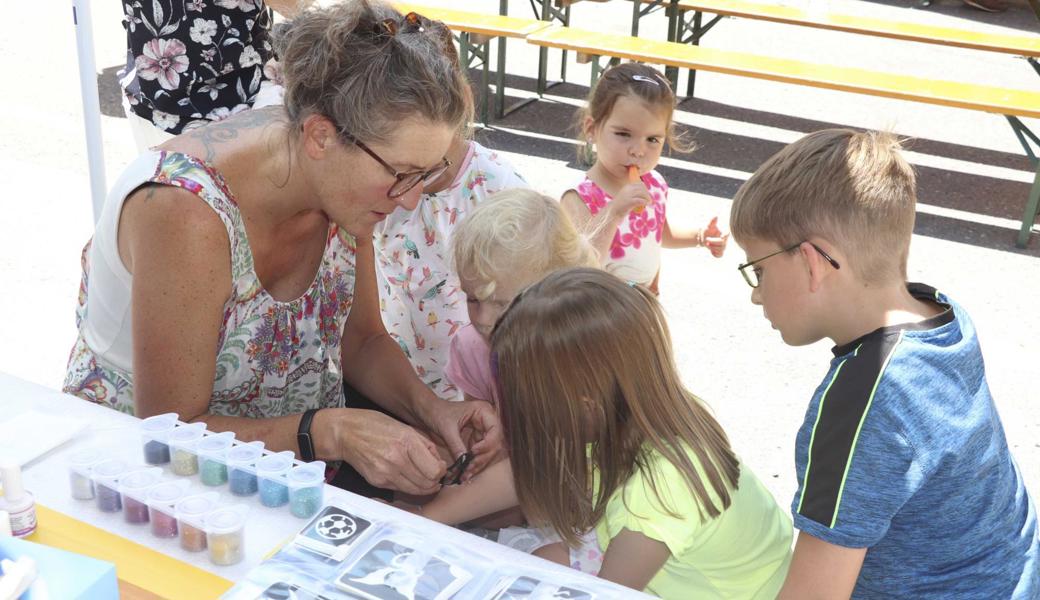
852, 188
515, 233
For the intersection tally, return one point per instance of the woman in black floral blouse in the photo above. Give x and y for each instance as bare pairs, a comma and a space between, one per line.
190, 62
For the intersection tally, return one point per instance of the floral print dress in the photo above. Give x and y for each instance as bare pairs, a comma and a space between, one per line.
635, 251
419, 294
190, 62
273, 358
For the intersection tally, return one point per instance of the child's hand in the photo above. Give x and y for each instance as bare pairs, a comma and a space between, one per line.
631, 197
714, 240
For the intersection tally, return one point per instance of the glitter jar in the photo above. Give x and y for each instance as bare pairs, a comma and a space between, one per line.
183, 457
161, 499
190, 513
80, 485
154, 433
212, 453
241, 461
225, 535
105, 476
133, 490
270, 471
306, 489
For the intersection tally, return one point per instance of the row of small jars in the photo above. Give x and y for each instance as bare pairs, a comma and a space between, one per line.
247, 468
200, 521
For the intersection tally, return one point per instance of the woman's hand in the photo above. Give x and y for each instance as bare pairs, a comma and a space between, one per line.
467, 426
387, 453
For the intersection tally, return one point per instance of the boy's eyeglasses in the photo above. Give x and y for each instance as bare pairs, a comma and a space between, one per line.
751, 275
405, 181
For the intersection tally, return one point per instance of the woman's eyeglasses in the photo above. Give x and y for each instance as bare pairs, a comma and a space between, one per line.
405, 181
751, 276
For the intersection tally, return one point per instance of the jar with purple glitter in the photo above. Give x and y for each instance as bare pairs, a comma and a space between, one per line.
270, 471
306, 489
155, 432
105, 476
241, 463
161, 499
133, 490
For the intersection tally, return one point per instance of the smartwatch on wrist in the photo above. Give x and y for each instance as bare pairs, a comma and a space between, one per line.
303, 436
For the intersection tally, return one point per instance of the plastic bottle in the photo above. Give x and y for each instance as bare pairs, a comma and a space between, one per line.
17, 502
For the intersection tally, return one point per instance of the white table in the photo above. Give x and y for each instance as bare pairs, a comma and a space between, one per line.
266, 529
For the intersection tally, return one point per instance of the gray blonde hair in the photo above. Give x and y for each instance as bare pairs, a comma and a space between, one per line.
853, 188
514, 232
344, 63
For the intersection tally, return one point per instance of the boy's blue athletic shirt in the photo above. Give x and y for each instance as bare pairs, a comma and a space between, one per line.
902, 452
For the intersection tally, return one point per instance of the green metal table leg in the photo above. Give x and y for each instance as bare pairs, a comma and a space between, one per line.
543, 52
691, 77
563, 59
1032, 207
500, 73
485, 102
672, 73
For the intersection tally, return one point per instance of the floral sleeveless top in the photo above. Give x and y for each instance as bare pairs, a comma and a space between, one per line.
635, 251
274, 358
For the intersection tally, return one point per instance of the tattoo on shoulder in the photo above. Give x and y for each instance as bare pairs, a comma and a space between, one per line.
213, 135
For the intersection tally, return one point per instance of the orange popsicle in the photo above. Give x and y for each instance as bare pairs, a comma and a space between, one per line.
633, 177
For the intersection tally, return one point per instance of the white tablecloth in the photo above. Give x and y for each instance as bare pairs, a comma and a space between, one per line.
267, 528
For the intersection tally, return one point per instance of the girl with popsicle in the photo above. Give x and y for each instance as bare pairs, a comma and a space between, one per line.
620, 204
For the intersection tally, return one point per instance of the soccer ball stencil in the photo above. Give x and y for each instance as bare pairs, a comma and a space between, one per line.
336, 527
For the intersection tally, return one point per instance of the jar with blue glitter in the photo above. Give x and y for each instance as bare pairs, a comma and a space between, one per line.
306, 489
241, 464
212, 452
271, 471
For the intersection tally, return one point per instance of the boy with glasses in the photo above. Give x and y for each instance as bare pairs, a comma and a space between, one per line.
906, 485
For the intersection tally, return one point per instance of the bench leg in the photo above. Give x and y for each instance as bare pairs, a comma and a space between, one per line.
691, 76
1032, 207
674, 21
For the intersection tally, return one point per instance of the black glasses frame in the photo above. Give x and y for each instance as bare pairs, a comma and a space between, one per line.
405, 181
753, 281
455, 471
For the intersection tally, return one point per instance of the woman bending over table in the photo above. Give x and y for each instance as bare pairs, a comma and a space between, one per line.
231, 275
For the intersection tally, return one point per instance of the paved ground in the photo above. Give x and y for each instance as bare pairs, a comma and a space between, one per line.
973, 186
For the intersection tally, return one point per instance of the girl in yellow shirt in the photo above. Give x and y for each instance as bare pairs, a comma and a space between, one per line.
602, 435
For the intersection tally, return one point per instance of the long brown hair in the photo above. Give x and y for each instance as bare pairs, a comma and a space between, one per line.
582, 358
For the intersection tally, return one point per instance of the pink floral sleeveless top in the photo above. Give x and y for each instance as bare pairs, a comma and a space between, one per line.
635, 252
273, 358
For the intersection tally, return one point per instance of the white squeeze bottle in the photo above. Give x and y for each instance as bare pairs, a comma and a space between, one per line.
17, 502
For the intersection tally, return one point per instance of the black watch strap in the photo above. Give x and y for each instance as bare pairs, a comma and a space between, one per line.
303, 436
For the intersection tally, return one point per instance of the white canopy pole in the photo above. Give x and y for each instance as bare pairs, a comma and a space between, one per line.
91, 104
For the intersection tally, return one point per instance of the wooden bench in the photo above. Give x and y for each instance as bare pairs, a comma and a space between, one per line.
475, 32
900, 30
691, 30
1009, 102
